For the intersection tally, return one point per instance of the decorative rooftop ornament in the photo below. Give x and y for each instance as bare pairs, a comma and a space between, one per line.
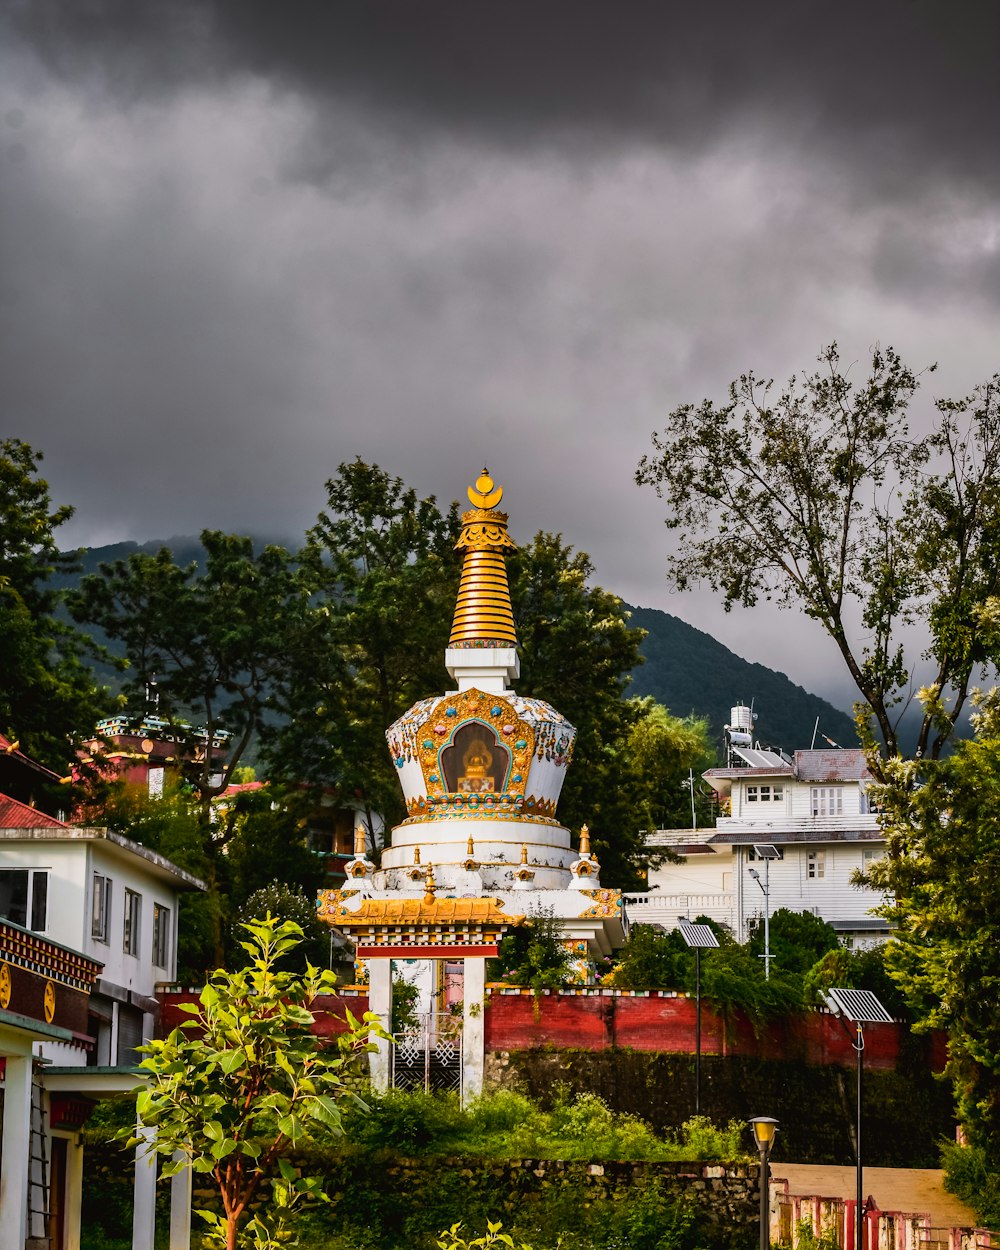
483, 615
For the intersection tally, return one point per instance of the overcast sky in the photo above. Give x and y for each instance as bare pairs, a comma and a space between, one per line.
245, 241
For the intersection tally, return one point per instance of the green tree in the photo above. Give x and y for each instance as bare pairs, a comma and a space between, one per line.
266, 835
653, 960
289, 903
213, 639
820, 496
230, 1092
659, 757
733, 976
381, 574
48, 698
577, 651
798, 939
942, 819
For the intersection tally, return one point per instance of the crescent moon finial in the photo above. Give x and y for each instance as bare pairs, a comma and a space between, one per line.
485, 494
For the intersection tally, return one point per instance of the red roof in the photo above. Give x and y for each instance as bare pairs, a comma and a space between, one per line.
15, 815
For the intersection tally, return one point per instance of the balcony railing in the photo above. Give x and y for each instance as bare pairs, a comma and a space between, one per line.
658, 908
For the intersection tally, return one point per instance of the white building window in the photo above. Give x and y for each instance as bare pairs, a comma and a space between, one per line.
827, 800
24, 897
100, 910
816, 865
161, 936
765, 794
868, 856
133, 915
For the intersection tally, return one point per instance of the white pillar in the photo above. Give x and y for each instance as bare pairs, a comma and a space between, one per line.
144, 1209
180, 1209
380, 1002
473, 1028
16, 1150
74, 1194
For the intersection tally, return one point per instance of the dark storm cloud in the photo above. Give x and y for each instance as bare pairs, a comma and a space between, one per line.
244, 241
904, 90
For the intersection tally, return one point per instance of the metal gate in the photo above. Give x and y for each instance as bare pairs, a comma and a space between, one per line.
429, 1057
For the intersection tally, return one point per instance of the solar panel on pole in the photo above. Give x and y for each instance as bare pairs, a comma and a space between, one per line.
861, 1006
699, 937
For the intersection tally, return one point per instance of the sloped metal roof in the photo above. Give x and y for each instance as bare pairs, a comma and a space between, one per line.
843, 764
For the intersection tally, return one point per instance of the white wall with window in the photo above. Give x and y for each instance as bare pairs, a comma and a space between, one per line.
108, 898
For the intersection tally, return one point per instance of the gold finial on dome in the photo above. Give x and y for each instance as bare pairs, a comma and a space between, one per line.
416, 854
584, 840
470, 849
524, 852
485, 494
360, 839
430, 885
483, 615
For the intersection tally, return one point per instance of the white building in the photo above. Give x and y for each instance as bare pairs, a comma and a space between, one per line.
103, 900
812, 808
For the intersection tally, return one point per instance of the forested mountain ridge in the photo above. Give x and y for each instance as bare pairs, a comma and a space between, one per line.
685, 669
691, 672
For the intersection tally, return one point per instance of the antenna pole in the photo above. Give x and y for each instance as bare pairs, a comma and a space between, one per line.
767, 919
815, 730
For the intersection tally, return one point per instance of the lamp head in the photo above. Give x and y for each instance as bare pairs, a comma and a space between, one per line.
764, 1128
755, 874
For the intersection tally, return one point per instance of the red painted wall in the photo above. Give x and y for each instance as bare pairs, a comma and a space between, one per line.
600, 1020
661, 1022
328, 1009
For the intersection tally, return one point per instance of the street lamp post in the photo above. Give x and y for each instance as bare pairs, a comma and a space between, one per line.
764, 1128
861, 1007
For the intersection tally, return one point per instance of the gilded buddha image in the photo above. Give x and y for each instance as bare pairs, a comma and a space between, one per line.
474, 763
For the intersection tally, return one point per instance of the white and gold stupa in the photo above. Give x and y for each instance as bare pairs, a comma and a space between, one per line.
481, 769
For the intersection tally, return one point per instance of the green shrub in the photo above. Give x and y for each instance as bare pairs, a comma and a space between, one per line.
653, 960
533, 955
699, 1138
405, 1122
968, 1175
494, 1236
806, 1239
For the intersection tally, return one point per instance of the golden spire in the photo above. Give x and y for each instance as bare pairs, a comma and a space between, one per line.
483, 615
416, 854
430, 885
360, 839
470, 849
524, 852
584, 840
